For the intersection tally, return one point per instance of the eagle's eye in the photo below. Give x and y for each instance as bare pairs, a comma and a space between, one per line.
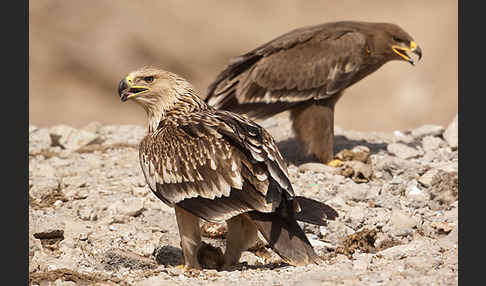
148, 79
397, 39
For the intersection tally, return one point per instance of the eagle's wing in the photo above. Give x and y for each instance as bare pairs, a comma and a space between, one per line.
307, 63
216, 165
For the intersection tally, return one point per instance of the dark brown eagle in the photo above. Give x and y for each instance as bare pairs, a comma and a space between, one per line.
218, 166
306, 71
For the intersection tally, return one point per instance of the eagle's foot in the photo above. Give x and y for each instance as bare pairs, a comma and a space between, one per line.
188, 268
210, 257
336, 163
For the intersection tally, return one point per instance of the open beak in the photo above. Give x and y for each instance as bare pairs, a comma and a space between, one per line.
407, 53
126, 89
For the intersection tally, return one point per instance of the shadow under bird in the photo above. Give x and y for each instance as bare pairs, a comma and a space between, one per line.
306, 71
218, 166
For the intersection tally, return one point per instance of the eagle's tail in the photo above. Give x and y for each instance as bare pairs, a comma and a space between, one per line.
314, 212
285, 237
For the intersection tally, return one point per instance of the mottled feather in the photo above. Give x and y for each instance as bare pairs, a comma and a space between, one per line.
210, 153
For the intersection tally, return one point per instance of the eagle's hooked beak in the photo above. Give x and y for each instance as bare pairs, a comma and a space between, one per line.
405, 52
126, 89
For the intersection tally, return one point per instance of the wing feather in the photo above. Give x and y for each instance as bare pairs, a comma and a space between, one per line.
314, 66
307, 63
212, 155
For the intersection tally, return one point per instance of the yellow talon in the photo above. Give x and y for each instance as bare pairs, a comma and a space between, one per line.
181, 266
335, 163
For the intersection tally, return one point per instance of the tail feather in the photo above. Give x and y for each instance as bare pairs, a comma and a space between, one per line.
314, 212
285, 237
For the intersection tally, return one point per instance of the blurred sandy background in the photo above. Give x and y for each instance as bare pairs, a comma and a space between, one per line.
79, 51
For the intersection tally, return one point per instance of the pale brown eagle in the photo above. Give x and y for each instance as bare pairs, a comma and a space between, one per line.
218, 166
306, 71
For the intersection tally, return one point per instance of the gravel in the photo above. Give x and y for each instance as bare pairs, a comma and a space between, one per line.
316, 168
451, 133
427, 130
430, 143
93, 220
39, 139
400, 224
403, 151
70, 138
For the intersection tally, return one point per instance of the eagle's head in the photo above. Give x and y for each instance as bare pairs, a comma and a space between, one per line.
150, 86
393, 43
158, 92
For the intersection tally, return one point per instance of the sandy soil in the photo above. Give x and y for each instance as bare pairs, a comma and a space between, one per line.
79, 52
93, 220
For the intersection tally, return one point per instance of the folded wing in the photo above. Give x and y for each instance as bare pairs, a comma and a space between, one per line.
216, 165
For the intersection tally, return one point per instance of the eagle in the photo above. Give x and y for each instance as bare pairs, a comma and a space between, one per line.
218, 166
306, 71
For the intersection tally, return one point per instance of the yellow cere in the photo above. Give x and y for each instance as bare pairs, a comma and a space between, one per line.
413, 45
129, 79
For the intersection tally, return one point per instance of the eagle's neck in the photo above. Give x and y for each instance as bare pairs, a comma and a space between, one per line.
155, 115
183, 106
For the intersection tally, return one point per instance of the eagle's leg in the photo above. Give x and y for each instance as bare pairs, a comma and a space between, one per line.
242, 234
313, 124
190, 234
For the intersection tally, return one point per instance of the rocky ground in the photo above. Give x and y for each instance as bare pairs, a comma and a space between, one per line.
93, 220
